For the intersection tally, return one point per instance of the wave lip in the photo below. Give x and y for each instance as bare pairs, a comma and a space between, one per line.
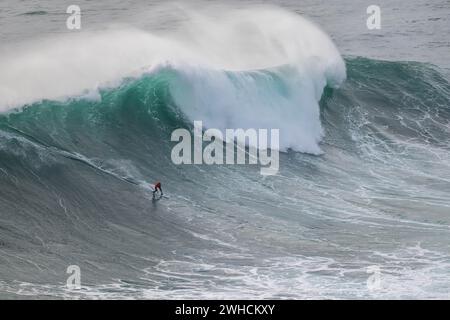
254, 69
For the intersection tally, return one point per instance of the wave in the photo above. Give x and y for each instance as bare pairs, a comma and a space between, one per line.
268, 69
79, 147
380, 105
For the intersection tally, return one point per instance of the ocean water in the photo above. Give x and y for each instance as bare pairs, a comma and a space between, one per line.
360, 207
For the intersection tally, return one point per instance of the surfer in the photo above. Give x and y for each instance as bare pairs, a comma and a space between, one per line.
157, 187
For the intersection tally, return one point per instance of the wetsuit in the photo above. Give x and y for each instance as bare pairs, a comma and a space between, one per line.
158, 187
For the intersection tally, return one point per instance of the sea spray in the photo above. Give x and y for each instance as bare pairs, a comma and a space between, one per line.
268, 70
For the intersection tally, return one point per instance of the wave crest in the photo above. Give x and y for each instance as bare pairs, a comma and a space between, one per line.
259, 68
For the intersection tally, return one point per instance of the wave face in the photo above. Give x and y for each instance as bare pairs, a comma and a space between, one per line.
75, 168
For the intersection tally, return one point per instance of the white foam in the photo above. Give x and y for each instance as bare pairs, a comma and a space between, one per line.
201, 49
405, 273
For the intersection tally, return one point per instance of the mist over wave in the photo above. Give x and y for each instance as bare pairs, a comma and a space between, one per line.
265, 60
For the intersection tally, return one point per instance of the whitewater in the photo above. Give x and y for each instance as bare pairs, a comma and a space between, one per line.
258, 63
85, 125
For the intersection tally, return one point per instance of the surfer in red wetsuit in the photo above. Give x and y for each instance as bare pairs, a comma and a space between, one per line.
157, 187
